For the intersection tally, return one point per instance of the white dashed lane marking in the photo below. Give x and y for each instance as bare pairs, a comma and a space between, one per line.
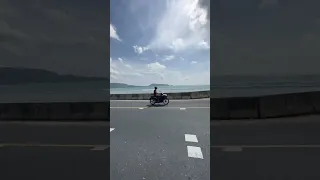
111, 129
191, 138
141, 108
195, 152
182, 109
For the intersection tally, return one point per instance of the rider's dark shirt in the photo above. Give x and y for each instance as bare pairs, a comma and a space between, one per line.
155, 93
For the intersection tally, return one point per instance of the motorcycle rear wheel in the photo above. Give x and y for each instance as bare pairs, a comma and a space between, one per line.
152, 101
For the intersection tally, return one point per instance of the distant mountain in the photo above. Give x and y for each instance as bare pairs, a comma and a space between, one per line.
159, 85
121, 85
10, 75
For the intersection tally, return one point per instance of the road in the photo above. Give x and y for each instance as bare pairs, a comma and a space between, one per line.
146, 143
50, 150
266, 149
150, 142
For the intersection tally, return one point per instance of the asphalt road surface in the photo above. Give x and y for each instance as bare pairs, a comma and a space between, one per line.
170, 142
54, 150
266, 149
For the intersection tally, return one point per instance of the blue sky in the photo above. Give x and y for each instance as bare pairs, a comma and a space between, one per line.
158, 41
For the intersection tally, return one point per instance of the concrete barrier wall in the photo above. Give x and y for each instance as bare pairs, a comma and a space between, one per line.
273, 106
182, 95
55, 111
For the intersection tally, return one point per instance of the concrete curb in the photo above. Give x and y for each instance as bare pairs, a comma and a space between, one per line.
273, 106
68, 111
76, 111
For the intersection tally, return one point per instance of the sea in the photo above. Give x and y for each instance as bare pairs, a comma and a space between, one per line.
100, 91
164, 89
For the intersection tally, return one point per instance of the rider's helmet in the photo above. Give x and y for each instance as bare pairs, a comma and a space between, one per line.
155, 88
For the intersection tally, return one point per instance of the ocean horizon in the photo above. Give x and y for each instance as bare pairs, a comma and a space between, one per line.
164, 89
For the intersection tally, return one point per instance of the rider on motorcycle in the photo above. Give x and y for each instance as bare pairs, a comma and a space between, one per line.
158, 98
155, 94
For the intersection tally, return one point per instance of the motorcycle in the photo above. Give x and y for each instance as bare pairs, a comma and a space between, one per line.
163, 98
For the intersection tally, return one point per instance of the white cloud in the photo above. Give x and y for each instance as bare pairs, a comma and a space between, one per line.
177, 44
130, 75
121, 60
139, 49
203, 45
112, 64
117, 69
128, 66
145, 74
183, 25
122, 72
168, 58
156, 66
113, 77
193, 62
124, 64
113, 71
113, 33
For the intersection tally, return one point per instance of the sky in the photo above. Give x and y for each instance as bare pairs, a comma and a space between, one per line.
56, 35
161, 41
158, 41
265, 37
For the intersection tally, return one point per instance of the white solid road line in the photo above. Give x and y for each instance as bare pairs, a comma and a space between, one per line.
191, 138
194, 152
232, 149
111, 129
